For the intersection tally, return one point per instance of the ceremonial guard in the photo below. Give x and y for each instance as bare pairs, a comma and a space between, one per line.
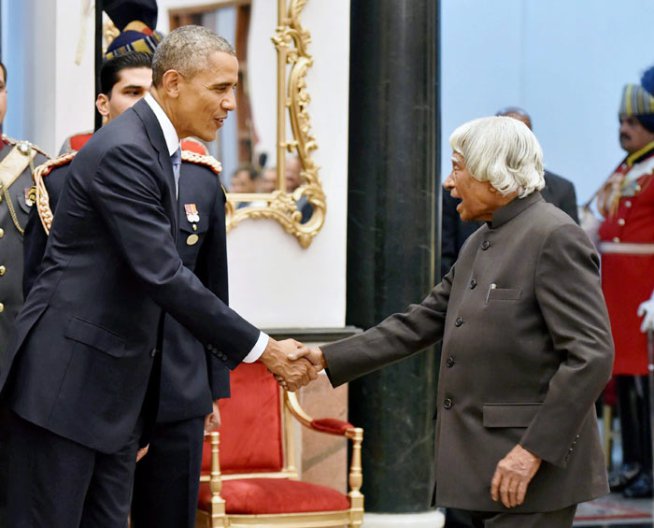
626, 201
18, 158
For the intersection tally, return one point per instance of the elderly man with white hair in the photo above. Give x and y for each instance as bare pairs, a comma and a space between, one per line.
527, 346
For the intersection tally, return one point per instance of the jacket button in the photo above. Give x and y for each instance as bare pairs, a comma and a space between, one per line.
449, 362
621, 221
2, 232
616, 239
3, 270
210, 347
448, 403
153, 352
627, 204
473, 284
485, 245
2, 307
458, 322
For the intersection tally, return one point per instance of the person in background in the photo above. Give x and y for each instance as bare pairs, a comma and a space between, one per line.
268, 180
626, 243
17, 161
244, 180
557, 190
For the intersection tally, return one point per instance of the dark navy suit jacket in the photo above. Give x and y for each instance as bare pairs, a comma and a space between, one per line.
87, 336
191, 376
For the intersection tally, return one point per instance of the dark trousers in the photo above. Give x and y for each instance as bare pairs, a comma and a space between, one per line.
464, 518
633, 411
58, 483
167, 479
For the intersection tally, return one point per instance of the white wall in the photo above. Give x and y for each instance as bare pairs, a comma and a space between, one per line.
565, 62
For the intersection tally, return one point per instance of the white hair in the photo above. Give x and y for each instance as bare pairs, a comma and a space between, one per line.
502, 151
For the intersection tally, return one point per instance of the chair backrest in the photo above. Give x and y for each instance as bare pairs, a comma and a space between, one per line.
251, 432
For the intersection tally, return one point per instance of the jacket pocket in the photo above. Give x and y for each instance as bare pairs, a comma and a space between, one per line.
95, 337
504, 294
509, 414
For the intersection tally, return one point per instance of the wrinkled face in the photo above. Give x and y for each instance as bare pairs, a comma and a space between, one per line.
132, 85
205, 99
3, 96
478, 199
633, 135
241, 183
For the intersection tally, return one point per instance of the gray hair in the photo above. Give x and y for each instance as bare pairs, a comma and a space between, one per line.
502, 151
186, 50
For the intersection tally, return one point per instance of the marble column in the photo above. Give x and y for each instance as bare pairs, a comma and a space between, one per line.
393, 212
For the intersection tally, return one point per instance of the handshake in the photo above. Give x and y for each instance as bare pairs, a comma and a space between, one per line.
293, 364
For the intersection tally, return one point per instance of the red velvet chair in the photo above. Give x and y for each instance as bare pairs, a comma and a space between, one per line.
249, 472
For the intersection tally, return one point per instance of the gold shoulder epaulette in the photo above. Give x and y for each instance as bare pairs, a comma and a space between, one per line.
198, 159
42, 197
27, 145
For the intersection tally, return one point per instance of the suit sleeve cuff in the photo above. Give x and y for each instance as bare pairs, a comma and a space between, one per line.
257, 349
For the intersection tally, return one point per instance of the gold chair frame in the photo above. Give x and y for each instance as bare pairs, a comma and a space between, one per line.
291, 410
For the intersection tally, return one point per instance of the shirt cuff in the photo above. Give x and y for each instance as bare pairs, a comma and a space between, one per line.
257, 349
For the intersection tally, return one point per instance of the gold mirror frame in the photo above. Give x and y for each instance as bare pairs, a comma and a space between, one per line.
293, 62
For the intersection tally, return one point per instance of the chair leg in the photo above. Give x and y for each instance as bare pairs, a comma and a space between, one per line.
218, 517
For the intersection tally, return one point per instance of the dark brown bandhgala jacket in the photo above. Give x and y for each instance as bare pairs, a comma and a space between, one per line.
527, 349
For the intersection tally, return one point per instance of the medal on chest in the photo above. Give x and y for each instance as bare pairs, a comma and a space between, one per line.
193, 217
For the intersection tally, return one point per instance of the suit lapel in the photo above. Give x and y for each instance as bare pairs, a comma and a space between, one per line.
158, 142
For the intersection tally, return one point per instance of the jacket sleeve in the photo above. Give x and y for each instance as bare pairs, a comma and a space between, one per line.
569, 294
127, 191
394, 339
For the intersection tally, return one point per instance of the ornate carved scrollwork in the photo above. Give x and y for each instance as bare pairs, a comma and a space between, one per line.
291, 41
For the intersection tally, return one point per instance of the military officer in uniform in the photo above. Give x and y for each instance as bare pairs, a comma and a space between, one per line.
626, 236
17, 159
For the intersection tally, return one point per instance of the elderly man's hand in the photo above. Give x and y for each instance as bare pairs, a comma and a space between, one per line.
314, 355
290, 374
513, 475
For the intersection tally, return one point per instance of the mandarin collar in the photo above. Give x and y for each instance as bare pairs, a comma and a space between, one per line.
513, 209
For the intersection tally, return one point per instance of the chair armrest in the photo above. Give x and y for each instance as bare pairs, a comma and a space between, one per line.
336, 427
331, 426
